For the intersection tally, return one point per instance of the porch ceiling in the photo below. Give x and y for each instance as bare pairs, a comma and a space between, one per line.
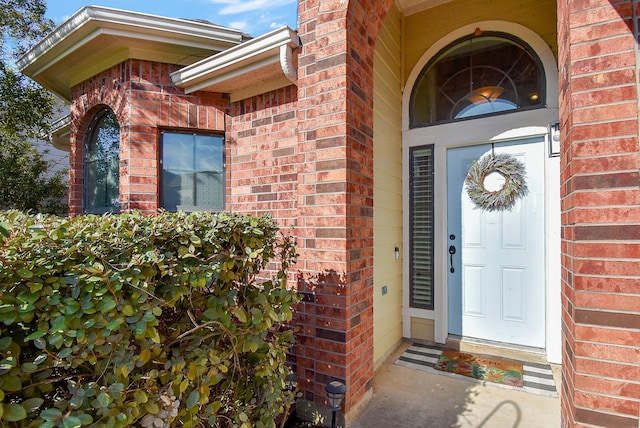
97, 38
409, 7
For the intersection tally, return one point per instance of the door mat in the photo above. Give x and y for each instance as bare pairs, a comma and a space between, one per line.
536, 378
481, 367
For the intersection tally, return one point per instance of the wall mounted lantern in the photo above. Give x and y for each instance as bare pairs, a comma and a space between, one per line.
554, 139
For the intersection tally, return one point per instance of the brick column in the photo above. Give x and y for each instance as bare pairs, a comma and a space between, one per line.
598, 60
335, 188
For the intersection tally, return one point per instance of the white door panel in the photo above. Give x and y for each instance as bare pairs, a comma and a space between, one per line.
473, 298
497, 287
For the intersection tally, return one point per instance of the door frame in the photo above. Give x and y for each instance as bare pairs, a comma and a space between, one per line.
481, 131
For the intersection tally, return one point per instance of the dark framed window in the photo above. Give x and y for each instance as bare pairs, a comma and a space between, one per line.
493, 73
193, 171
102, 164
421, 228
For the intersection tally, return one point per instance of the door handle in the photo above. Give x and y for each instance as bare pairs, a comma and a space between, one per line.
452, 251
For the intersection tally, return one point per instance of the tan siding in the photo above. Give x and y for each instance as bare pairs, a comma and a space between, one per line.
426, 27
387, 159
422, 329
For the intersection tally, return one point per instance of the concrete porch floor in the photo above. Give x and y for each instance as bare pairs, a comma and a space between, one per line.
411, 398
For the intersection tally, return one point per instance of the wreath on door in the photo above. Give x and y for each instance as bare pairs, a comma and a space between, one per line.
514, 186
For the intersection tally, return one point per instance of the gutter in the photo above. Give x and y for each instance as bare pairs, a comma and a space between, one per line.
254, 62
201, 33
60, 133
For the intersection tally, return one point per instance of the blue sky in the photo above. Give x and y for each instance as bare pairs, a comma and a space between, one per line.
255, 17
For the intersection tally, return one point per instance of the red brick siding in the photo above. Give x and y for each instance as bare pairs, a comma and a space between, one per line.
335, 114
264, 162
307, 157
144, 99
600, 195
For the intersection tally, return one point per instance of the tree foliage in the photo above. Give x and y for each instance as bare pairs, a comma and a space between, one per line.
26, 181
22, 22
26, 109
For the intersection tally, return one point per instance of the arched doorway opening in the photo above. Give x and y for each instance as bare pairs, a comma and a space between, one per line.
491, 277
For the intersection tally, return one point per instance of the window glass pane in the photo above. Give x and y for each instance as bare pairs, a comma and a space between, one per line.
102, 164
421, 227
177, 152
192, 172
94, 188
477, 76
208, 153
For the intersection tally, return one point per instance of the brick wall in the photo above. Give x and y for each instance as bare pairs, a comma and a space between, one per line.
600, 213
269, 161
335, 193
272, 167
306, 157
143, 98
322, 348
262, 136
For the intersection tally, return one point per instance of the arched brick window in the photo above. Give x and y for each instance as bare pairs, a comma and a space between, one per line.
102, 164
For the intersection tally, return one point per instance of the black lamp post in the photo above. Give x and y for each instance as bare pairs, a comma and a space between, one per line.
335, 394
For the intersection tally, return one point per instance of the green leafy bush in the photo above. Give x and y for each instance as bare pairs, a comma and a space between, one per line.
151, 321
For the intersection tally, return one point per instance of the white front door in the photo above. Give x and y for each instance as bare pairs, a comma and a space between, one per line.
496, 277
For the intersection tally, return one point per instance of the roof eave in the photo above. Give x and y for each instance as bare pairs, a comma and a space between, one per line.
60, 133
268, 62
91, 21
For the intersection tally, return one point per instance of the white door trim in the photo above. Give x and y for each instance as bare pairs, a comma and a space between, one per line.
476, 131
536, 43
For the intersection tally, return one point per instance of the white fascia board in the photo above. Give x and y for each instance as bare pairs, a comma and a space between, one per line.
137, 25
234, 61
60, 133
185, 27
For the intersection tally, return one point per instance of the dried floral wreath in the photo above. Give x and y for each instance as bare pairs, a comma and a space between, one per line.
514, 187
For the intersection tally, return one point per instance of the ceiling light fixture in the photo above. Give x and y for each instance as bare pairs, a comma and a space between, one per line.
485, 94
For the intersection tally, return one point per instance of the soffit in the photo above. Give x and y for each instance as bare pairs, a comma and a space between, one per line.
97, 38
409, 7
256, 66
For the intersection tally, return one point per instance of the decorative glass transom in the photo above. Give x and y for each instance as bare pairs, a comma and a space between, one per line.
479, 75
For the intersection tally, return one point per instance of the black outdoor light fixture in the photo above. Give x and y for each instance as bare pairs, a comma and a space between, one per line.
335, 394
554, 139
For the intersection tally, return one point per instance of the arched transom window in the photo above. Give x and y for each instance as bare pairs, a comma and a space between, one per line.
102, 164
488, 73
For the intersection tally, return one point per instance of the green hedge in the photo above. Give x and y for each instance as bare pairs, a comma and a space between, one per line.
151, 321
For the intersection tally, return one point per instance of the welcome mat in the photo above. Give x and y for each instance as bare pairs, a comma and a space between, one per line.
536, 378
479, 367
